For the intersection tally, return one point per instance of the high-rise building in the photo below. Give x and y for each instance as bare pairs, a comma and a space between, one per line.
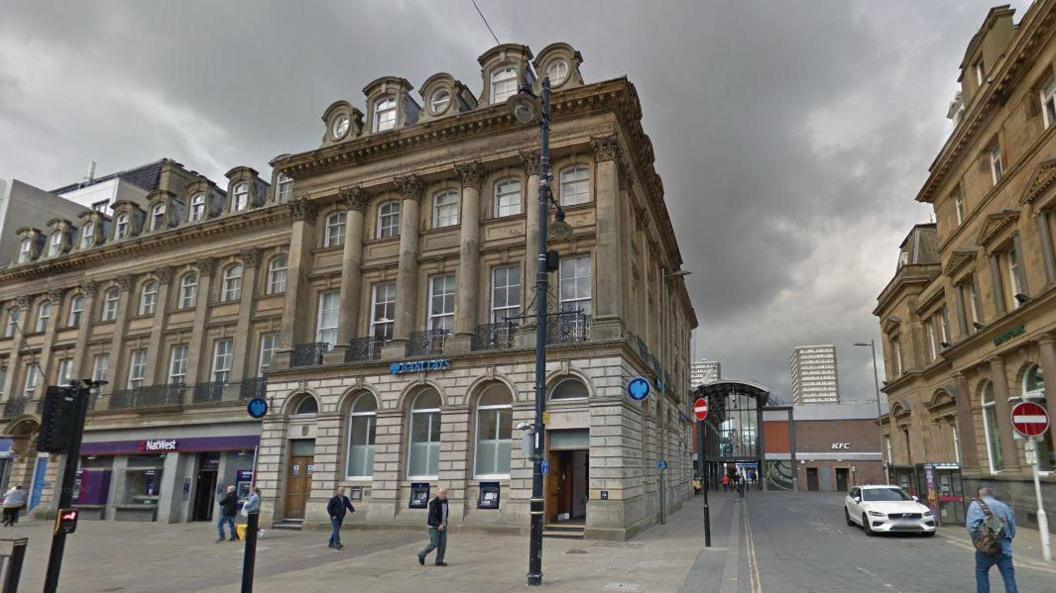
814, 375
704, 371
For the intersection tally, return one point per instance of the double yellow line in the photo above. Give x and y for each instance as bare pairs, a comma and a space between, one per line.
753, 563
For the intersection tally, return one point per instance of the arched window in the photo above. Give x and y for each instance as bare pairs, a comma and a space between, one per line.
503, 84
306, 407
76, 311
43, 317
362, 424
157, 217
284, 191
277, 274
189, 290
148, 298
1034, 390
385, 114
389, 220
335, 230
993, 440
494, 432
110, 300
87, 235
575, 185
424, 459
197, 207
240, 197
13, 315
232, 288
445, 209
508, 197
1033, 383
25, 250
571, 388
439, 101
121, 226
557, 71
55, 244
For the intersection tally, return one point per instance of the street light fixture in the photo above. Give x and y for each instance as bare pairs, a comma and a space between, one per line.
879, 415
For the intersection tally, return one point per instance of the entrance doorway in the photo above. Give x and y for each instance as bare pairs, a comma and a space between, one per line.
812, 479
205, 487
566, 486
842, 478
299, 477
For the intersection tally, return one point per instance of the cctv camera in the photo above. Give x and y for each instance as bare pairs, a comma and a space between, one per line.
524, 426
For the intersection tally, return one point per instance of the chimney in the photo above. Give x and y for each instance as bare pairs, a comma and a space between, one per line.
90, 177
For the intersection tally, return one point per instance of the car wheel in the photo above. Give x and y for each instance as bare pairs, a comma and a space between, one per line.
866, 527
847, 516
928, 534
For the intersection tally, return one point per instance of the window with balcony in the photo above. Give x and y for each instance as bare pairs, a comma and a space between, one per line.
277, 275
507, 197
148, 298
223, 352
327, 318
189, 290
362, 426
445, 209
232, 285
576, 284
389, 220
137, 368
575, 185
383, 310
505, 293
178, 364
335, 230
442, 302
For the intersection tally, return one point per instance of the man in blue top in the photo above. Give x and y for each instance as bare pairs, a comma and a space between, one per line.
984, 561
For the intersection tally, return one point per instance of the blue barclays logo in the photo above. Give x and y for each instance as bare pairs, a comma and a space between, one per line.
419, 366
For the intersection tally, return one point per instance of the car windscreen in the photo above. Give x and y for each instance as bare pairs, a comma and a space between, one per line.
885, 495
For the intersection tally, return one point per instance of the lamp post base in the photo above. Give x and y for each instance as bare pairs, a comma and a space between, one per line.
534, 580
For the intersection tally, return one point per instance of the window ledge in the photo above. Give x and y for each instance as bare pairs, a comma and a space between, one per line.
423, 478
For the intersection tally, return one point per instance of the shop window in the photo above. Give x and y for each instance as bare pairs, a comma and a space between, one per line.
424, 459
362, 425
494, 432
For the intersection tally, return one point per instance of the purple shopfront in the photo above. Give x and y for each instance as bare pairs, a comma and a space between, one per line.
162, 479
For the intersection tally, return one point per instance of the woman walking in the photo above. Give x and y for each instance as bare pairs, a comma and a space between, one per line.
14, 501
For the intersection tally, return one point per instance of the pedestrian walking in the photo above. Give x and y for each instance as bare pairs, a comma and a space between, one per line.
726, 482
992, 526
336, 508
228, 512
252, 505
14, 501
437, 522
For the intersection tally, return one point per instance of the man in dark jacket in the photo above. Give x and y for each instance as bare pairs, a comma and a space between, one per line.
437, 522
336, 508
228, 511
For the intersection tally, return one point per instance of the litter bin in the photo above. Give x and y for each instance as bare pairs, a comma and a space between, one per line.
240, 529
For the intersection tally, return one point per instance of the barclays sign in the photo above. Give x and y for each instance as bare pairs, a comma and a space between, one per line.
420, 366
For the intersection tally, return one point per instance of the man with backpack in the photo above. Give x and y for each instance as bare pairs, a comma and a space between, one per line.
992, 525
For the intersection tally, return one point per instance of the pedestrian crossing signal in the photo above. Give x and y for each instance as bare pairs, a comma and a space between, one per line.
66, 522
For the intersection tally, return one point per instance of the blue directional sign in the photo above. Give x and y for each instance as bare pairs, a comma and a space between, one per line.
544, 467
662, 465
638, 389
257, 408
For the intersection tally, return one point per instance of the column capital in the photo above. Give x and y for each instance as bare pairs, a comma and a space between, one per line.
411, 187
206, 265
641, 218
89, 287
605, 149
470, 173
125, 282
530, 161
1046, 339
354, 197
164, 274
301, 209
55, 295
250, 257
22, 302
995, 359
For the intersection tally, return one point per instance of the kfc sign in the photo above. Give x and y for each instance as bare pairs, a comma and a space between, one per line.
841, 446
157, 446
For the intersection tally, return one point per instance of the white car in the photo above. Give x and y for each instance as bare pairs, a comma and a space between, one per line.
886, 509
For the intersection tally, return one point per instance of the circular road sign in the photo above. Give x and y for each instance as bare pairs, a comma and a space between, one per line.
662, 465
638, 389
700, 409
1030, 419
257, 408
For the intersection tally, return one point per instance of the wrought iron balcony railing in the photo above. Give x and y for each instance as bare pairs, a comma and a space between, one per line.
152, 396
310, 354
212, 391
430, 341
567, 327
494, 336
253, 387
16, 406
368, 348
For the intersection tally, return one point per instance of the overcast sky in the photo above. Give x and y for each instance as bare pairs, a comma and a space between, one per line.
791, 136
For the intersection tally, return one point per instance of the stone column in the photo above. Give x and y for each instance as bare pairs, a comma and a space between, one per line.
157, 370
467, 305
965, 423
355, 200
608, 280
47, 362
197, 348
389, 457
1047, 346
243, 332
119, 374
302, 238
411, 188
83, 369
1048, 251
1009, 450
17, 340
530, 162
454, 458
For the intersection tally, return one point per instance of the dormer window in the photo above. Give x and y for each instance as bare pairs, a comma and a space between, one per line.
25, 250
87, 235
285, 188
1048, 101
503, 84
240, 199
55, 244
121, 226
197, 207
439, 101
385, 114
557, 72
157, 217
340, 126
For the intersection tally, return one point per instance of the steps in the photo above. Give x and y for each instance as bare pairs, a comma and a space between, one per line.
290, 524
564, 530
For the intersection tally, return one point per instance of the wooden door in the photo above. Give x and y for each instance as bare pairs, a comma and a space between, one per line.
554, 487
812, 479
298, 485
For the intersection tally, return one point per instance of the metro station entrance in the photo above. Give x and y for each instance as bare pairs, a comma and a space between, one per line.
734, 438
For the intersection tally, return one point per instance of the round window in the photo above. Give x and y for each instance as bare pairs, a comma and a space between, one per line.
439, 101
340, 126
557, 72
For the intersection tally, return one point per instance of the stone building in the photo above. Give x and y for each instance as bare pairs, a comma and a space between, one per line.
382, 285
969, 319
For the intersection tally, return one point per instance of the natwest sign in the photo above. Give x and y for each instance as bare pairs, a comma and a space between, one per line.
157, 445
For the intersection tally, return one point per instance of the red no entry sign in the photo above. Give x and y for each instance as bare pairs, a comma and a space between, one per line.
1030, 419
700, 409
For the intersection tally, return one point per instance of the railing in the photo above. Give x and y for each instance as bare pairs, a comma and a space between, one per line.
212, 391
153, 396
15, 406
430, 341
567, 327
253, 387
368, 348
494, 336
310, 354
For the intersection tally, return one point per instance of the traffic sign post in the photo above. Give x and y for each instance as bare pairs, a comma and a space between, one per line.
700, 411
1031, 421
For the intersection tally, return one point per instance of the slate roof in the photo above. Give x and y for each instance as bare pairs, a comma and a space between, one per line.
145, 177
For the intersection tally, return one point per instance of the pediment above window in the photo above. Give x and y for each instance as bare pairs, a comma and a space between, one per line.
958, 260
891, 325
1042, 182
996, 224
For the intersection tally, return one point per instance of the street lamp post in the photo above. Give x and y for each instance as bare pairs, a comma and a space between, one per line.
879, 414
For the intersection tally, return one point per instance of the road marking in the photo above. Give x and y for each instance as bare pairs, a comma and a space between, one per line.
1019, 561
877, 578
731, 566
753, 562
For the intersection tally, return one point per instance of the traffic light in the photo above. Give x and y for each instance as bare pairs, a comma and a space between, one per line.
58, 419
66, 521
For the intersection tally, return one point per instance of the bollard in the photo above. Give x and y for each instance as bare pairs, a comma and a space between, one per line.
14, 565
249, 560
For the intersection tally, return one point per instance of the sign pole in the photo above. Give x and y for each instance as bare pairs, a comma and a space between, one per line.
1043, 520
1031, 421
704, 475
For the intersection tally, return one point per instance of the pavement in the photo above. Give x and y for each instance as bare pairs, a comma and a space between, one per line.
773, 542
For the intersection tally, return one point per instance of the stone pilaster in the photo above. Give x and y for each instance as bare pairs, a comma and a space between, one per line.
385, 488
1047, 347
1048, 250
467, 305
157, 370
295, 314
88, 290
454, 457
47, 362
530, 162
355, 200
17, 340
608, 279
965, 423
118, 372
243, 334
411, 188
1009, 450
197, 348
